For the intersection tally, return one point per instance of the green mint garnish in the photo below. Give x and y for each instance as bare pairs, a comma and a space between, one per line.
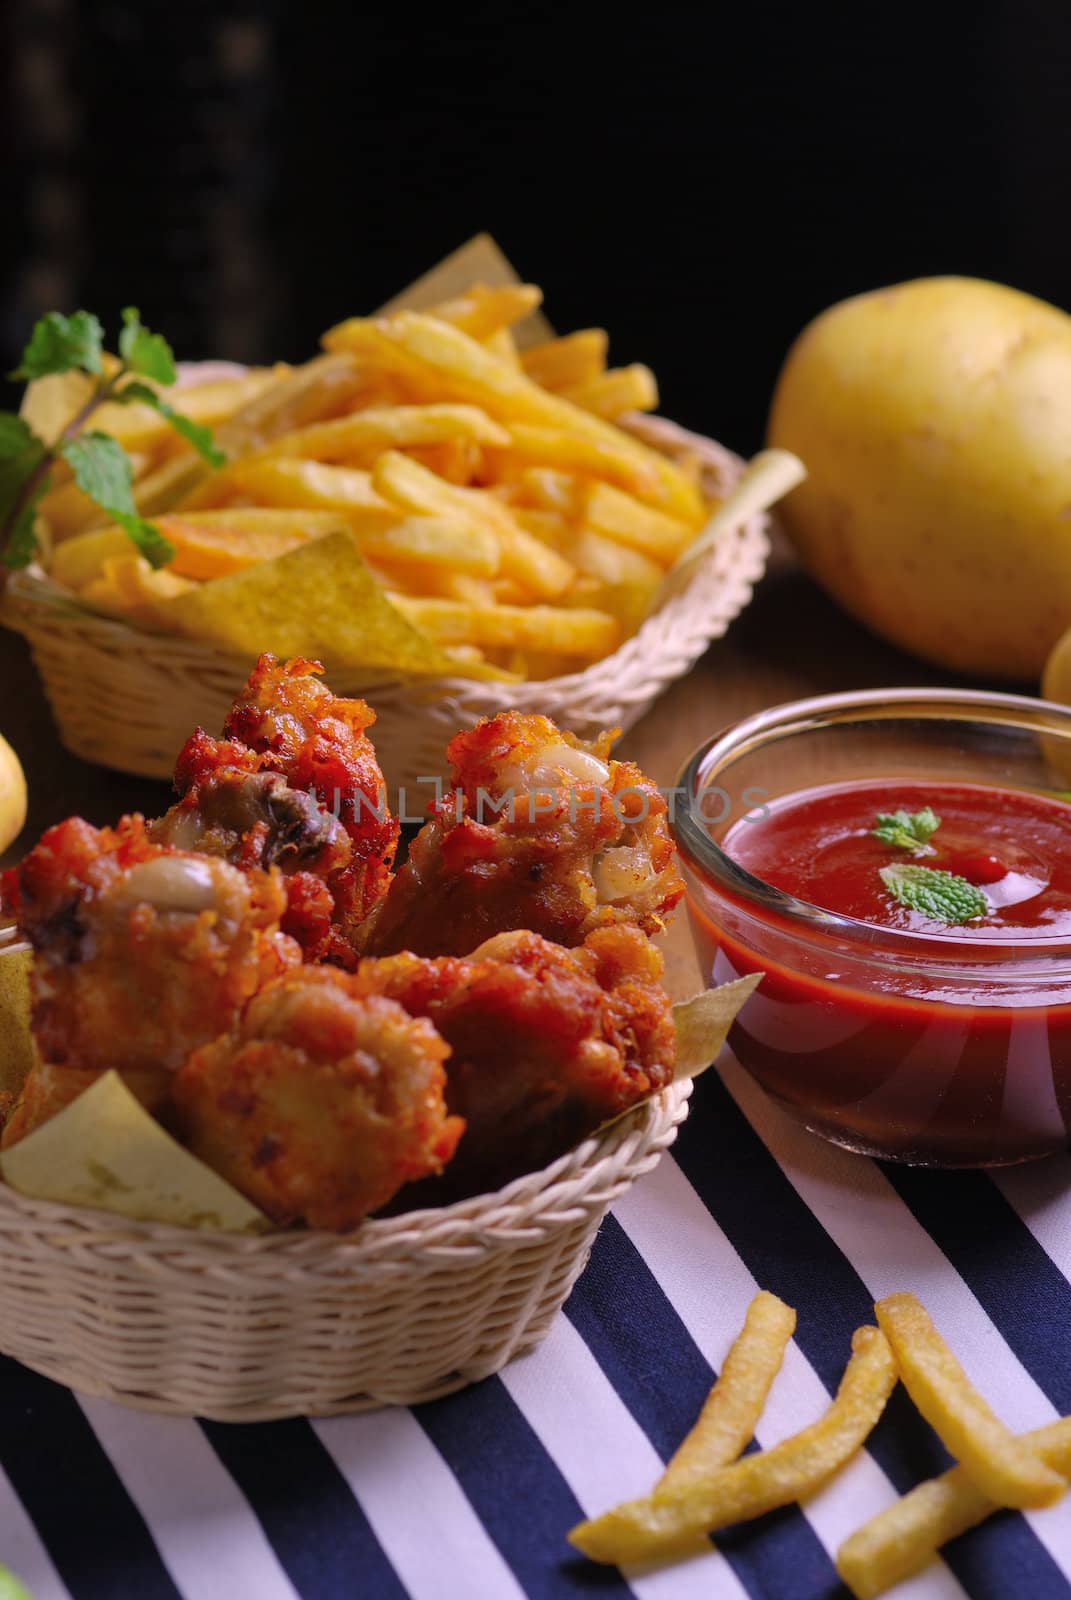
944, 896
100, 465
907, 831
101, 470
59, 343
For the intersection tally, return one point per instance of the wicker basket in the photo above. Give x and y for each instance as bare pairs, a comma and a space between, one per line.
128, 699
245, 1329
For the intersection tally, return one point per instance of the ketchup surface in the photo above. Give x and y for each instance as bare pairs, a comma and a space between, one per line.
954, 1047
819, 845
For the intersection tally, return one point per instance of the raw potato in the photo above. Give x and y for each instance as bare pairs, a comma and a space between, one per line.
934, 419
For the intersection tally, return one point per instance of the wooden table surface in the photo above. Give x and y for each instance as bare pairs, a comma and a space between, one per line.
790, 642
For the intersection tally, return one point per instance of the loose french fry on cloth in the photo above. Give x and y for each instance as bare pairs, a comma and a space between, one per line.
735, 1404
672, 1523
907, 1535
105, 1151
1005, 1467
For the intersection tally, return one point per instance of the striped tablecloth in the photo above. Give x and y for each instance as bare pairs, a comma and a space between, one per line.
470, 1497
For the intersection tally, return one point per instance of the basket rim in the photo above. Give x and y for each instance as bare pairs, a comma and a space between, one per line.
605, 1157
32, 589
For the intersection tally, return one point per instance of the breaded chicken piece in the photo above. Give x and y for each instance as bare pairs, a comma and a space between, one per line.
541, 831
322, 1103
546, 1043
141, 953
293, 783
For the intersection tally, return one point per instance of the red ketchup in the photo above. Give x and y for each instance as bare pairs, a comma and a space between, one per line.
899, 1034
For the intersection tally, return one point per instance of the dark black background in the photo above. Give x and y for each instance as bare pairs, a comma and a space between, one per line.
699, 179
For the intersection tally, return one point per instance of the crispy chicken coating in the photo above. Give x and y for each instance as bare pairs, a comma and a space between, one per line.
323, 1101
541, 831
141, 953
293, 783
546, 1043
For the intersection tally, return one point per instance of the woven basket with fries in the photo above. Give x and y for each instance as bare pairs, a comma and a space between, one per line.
125, 697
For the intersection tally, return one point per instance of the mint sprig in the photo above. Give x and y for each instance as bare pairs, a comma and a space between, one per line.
62, 344
99, 463
942, 896
908, 830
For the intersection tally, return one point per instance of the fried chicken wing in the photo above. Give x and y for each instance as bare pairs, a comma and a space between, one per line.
546, 1043
541, 831
293, 783
141, 953
323, 1101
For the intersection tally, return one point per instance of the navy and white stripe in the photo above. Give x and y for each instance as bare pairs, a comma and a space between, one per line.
469, 1498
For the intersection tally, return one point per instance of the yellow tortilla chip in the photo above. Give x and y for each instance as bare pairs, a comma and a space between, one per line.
105, 1151
703, 1022
16, 1045
320, 600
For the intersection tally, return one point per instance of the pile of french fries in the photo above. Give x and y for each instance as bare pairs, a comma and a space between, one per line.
710, 1484
488, 488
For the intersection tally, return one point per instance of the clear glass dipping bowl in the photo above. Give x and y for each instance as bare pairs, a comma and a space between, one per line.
923, 1048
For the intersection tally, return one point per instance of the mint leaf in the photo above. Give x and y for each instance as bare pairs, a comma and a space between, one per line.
59, 343
17, 438
944, 896
21, 454
146, 353
906, 830
157, 550
193, 432
101, 470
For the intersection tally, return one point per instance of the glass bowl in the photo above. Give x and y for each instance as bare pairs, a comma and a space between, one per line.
926, 1048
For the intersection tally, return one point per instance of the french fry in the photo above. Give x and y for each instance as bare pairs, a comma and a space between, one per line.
558, 447
504, 346
589, 634
1005, 1467
356, 439
735, 1404
547, 526
575, 358
129, 587
484, 311
434, 542
324, 387
551, 490
644, 1530
599, 557
174, 480
621, 517
907, 1535
539, 569
455, 462
433, 354
611, 393
210, 544
286, 482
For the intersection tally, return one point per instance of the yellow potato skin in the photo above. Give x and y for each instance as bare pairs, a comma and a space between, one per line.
934, 419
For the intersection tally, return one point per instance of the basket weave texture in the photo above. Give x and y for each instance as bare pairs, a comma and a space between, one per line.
128, 699
244, 1329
